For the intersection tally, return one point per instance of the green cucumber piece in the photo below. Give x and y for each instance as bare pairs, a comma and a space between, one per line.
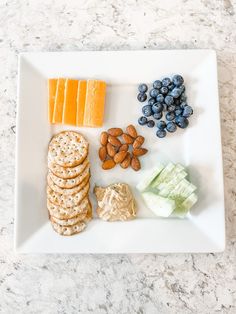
177, 169
160, 206
165, 191
182, 209
163, 175
182, 191
144, 184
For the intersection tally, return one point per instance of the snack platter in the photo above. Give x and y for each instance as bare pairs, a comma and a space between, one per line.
109, 182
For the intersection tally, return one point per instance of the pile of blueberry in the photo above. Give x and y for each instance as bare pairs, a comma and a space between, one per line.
167, 97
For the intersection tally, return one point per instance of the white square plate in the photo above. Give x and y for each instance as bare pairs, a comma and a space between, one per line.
198, 148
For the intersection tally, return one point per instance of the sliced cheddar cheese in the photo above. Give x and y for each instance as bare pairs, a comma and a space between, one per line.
59, 101
52, 86
70, 102
81, 97
95, 103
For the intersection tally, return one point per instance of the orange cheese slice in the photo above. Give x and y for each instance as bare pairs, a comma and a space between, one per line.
52, 86
70, 102
59, 101
81, 97
95, 103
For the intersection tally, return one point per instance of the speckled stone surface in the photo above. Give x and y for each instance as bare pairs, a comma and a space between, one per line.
204, 283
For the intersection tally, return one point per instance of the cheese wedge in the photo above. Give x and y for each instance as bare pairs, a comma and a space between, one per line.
59, 101
52, 86
94, 104
70, 102
81, 97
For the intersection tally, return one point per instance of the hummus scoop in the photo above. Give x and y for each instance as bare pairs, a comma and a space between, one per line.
115, 202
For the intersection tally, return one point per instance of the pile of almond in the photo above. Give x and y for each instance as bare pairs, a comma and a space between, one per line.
121, 148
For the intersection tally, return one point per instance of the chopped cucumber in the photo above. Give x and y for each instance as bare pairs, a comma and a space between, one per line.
182, 191
182, 209
177, 169
165, 191
163, 175
143, 185
161, 206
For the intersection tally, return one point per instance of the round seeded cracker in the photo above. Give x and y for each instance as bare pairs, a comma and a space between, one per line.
69, 212
67, 172
69, 230
68, 149
67, 200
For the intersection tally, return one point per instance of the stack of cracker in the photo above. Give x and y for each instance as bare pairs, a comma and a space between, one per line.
68, 178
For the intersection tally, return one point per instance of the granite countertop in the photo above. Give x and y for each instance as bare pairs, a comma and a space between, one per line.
185, 283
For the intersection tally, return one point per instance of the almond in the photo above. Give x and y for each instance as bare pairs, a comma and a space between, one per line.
131, 131
102, 153
103, 138
119, 157
127, 138
111, 150
115, 131
108, 164
138, 142
139, 151
124, 147
135, 163
114, 141
126, 162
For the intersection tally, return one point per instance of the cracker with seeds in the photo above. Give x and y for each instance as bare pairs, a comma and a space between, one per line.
68, 149
67, 172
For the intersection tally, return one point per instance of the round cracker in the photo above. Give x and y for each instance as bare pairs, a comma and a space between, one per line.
69, 230
69, 183
67, 200
89, 214
67, 172
69, 212
68, 149
73, 190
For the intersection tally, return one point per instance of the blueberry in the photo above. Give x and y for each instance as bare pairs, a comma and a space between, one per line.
183, 104
164, 90
157, 84
182, 89
166, 81
171, 127
154, 92
177, 80
150, 123
161, 125
171, 108
161, 133
183, 98
188, 111
142, 97
142, 88
171, 86
182, 122
177, 101
142, 120
176, 92
169, 100
178, 111
147, 110
160, 98
152, 101
157, 115
170, 116
157, 108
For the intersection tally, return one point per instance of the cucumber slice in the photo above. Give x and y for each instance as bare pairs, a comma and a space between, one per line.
165, 191
177, 169
163, 175
143, 185
182, 209
182, 191
160, 206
